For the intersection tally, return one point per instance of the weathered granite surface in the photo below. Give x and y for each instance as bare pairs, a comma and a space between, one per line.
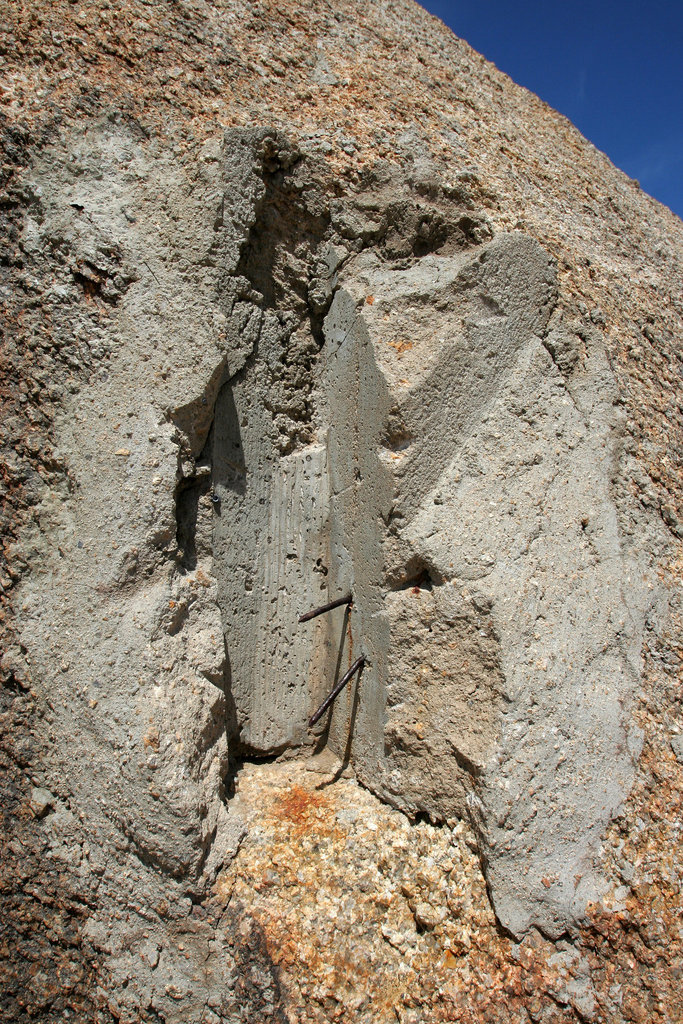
301, 303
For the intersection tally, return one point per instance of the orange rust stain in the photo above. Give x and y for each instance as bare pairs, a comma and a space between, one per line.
401, 346
349, 634
300, 806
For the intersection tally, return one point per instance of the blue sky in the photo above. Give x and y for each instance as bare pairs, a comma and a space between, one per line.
614, 69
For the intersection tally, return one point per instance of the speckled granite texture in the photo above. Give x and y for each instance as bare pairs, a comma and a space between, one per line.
214, 219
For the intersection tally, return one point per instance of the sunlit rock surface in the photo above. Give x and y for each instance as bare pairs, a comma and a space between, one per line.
300, 305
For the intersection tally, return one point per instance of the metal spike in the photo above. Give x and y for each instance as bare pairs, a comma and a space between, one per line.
325, 608
357, 665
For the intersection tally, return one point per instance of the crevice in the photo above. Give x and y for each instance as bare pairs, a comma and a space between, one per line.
466, 764
187, 494
414, 815
243, 757
224, 447
11, 683
280, 261
416, 575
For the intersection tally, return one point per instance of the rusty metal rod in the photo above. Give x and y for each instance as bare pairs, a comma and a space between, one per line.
357, 665
325, 608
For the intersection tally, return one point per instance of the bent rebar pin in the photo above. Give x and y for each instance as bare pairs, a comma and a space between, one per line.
357, 665
326, 608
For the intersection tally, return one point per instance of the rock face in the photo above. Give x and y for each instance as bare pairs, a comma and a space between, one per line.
499, 601
270, 349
